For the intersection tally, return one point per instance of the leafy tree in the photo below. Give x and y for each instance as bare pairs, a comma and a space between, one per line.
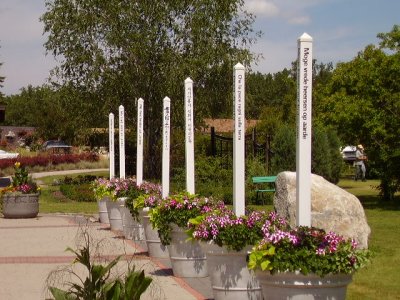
113, 52
363, 103
45, 109
284, 150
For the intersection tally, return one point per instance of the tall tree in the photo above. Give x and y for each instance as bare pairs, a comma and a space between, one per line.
46, 110
116, 51
363, 102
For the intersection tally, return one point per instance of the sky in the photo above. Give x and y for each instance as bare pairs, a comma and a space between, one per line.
339, 28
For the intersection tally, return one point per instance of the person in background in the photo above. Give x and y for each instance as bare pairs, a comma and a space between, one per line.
360, 163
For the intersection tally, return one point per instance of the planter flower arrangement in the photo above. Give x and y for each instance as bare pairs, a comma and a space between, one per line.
113, 188
21, 182
147, 194
21, 198
224, 228
178, 209
307, 250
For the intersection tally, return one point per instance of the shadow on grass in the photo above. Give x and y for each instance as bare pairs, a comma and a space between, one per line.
375, 202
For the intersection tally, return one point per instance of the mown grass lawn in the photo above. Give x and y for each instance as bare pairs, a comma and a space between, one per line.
380, 280
52, 201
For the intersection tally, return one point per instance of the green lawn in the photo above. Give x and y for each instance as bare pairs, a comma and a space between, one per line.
52, 201
380, 280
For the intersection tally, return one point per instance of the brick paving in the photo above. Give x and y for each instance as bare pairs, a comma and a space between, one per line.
30, 249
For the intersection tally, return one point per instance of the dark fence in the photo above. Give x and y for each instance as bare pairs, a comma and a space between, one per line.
222, 146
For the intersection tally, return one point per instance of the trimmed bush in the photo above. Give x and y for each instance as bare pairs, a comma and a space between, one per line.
78, 192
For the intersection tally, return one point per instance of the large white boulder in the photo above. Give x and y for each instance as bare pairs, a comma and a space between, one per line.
332, 208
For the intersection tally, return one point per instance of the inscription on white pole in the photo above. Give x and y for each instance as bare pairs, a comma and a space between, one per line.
139, 143
166, 146
303, 147
121, 142
189, 136
111, 148
239, 140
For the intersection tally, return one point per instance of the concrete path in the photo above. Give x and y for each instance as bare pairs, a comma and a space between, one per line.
64, 172
33, 256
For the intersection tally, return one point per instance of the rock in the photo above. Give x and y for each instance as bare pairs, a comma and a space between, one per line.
332, 208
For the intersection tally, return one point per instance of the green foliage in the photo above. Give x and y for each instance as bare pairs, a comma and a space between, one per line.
98, 285
326, 160
20, 175
213, 177
362, 103
254, 167
78, 192
284, 150
107, 45
47, 110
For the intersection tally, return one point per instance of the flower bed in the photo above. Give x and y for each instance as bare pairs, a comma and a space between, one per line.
52, 159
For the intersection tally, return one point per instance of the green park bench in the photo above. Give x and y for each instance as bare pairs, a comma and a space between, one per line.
264, 184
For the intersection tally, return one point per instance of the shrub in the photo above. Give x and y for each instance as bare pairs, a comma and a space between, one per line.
326, 159
78, 192
98, 284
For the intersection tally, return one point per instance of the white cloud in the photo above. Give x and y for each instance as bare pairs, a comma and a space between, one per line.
299, 20
288, 11
262, 8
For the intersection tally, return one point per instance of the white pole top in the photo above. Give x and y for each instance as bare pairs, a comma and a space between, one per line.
238, 66
167, 99
305, 38
188, 80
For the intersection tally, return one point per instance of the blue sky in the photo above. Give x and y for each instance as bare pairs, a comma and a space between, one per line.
340, 29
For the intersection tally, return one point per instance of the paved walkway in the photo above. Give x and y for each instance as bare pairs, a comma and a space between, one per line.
32, 249
64, 172
33, 256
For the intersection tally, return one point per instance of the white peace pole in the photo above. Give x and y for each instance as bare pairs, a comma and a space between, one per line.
121, 142
239, 140
111, 150
139, 142
303, 147
189, 136
166, 146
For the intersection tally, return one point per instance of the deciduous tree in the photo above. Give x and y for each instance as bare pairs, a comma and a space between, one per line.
363, 102
116, 51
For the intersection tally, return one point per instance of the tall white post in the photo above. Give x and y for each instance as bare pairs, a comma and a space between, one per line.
239, 140
111, 148
166, 146
139, 142
189, 136
121, 142
303, 147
